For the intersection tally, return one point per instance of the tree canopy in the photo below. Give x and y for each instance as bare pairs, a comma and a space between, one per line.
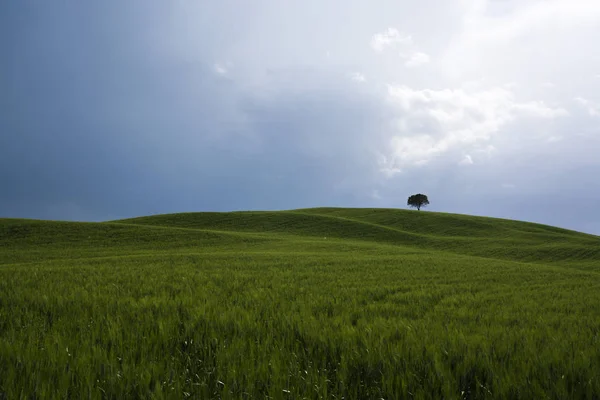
417, 201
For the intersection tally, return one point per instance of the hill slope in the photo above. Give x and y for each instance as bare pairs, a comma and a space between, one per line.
461, 234
315, 303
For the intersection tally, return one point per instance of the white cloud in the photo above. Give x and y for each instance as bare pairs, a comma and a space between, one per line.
386, 166
357, 77
221, 69
467, 160
522, 39
540, 109
431, 123
508, 186
409, 51
591, 107
417, 59
389, 37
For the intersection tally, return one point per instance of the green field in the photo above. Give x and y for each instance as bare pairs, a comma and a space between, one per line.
315, 304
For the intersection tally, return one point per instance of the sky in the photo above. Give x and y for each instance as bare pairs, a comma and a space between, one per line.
117, 109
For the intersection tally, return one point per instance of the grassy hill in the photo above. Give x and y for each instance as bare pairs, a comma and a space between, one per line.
313, 303
459, 234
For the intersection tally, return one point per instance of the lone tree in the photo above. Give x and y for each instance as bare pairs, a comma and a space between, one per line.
418, 201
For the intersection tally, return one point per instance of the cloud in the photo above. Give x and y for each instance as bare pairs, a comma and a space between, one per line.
467, 160
388, 38
357, 77
392, 38
539, 109
417, 59
551, 27
431, 123
222, 69
387, 167
591, 107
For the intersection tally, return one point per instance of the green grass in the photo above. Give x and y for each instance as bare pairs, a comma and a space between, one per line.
316, 303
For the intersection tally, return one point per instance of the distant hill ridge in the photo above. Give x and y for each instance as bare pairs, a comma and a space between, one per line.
422, 231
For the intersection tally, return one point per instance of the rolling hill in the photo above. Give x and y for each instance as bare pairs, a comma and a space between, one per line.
460, 234
311, 303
